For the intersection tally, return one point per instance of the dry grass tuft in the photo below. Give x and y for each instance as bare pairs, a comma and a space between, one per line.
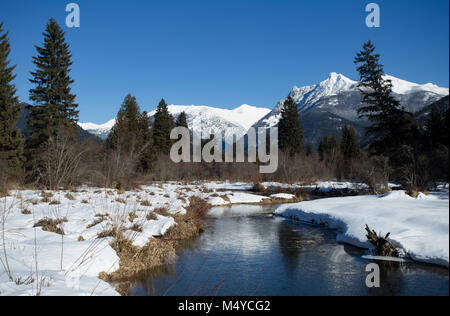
47, 195
163, 211
146, 203
191, 224
95, 222
34, 202
26, 211
134, 260
51, 225
132, 216
55, 202
152, 217
259, 188
110, 232
136, 228
70, 196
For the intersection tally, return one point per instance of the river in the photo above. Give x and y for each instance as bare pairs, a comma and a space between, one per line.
246, 251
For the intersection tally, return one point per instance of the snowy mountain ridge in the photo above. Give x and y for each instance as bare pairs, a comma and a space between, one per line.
324, 108
340, 96
200, 117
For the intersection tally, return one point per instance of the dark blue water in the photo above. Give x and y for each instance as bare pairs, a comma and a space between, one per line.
246, 251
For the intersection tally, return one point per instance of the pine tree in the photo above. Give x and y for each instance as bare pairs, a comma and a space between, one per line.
130, 135
329, 148
391, 124
124, 133
144, 135
350, 143
11, 140
289, 129
324, 146
162, 126
54, 110
181, 120
446, 132
435, 128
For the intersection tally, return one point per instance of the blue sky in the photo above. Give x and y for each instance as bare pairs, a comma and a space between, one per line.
224, 52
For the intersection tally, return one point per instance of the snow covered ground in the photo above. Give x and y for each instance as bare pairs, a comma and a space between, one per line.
47, 263
419, 226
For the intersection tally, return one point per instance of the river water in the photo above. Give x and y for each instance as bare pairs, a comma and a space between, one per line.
246, 251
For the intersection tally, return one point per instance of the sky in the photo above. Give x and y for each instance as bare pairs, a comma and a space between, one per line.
224, 53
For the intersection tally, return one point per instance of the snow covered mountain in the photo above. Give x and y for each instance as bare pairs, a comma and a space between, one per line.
100, 130
236, 121
324, 108
327, 106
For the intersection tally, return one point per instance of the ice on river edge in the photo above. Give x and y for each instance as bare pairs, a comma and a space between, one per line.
419, 226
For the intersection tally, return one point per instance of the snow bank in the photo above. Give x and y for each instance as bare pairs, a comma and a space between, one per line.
419, 226
283, 196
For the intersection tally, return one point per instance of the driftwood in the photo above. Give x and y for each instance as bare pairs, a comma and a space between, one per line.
383, 247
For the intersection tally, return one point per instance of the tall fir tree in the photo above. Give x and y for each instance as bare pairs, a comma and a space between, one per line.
350, 144
130, 134
124, 133
435, 128
391, 124
54, 109
162, 126
290, 132
182, 120
329, 148
11, 140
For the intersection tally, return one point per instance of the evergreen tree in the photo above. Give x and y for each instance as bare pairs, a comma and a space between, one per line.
391, 124
181, 120
162, 126
329, 148
350, 143
435, 128
290, 132
54, 109
124, 133
130, 135
446, 132
11, 140
145, 162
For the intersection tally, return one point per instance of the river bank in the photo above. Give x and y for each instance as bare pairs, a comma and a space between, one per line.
84, 241
68, 242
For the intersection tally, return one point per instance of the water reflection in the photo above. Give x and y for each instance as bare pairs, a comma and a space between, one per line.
245, 251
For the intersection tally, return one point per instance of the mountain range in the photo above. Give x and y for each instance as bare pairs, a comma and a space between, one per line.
237, 121
324, 108
329, 105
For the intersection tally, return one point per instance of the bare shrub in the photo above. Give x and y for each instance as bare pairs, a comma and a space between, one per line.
375, 172
59, 162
